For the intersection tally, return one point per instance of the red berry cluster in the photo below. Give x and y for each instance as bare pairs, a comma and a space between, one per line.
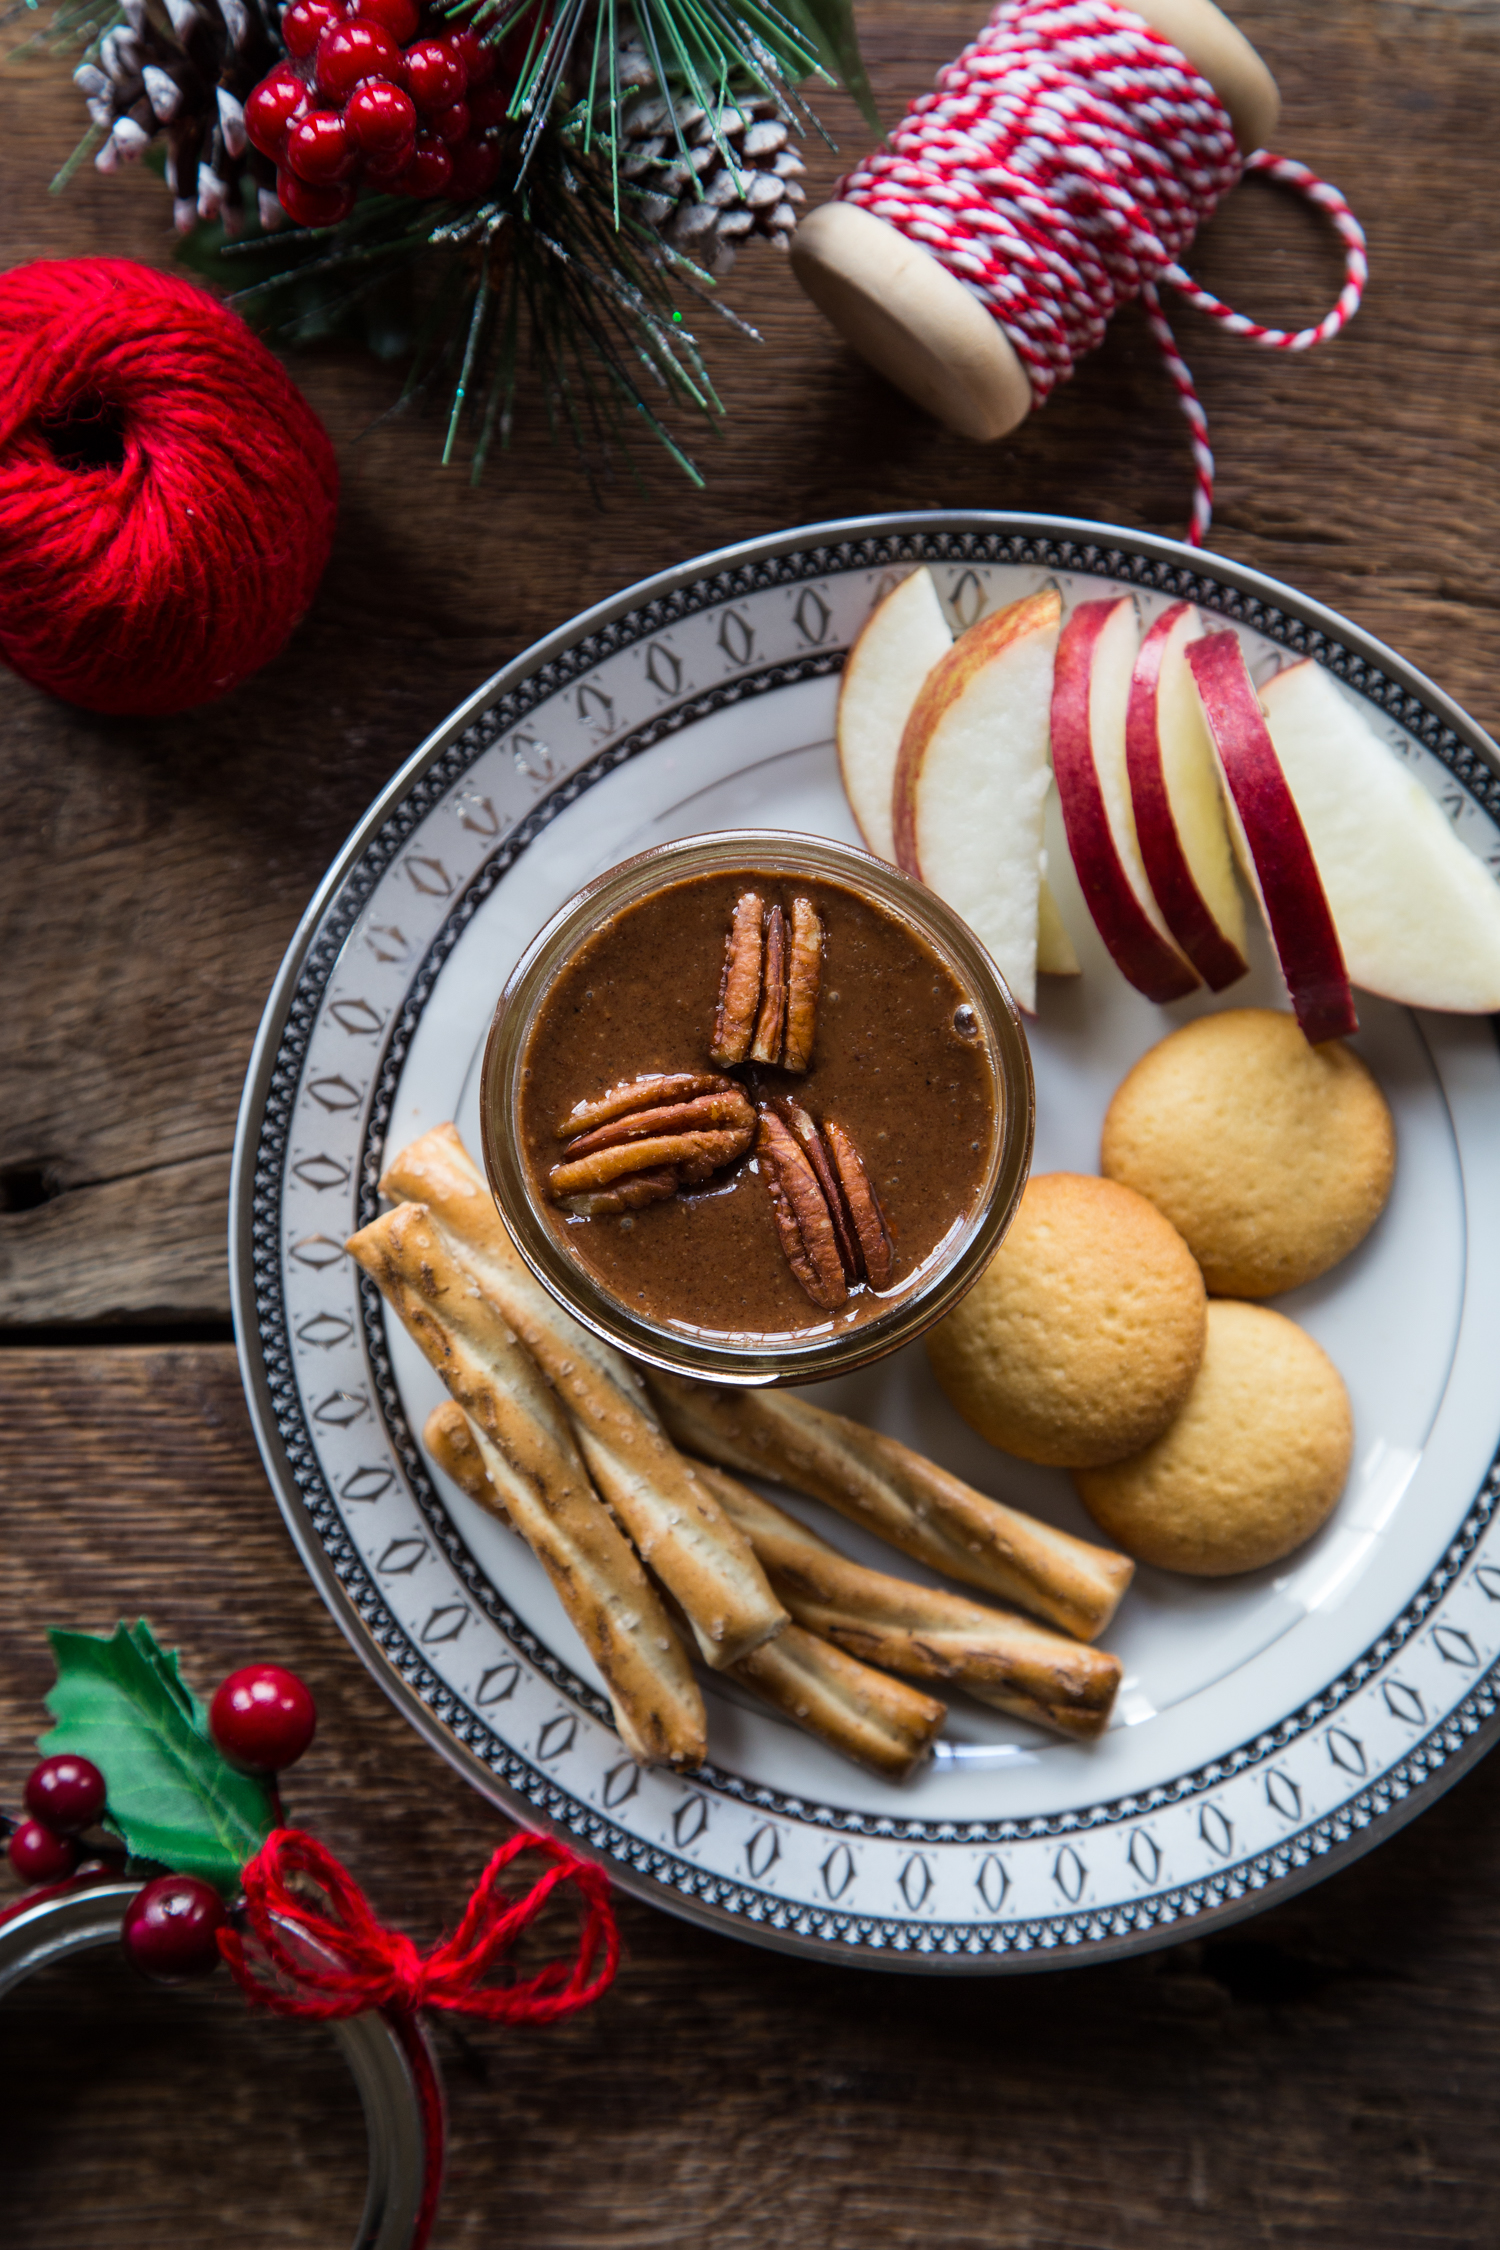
262, 1719
64, 1795
371, 93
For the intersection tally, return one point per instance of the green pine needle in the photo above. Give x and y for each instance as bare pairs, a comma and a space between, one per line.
554, 275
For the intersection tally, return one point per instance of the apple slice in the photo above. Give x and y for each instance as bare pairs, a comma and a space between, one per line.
971, 780
1056, 954
1417, 914
1280, 857
897, 646
1095, 659
1179, 813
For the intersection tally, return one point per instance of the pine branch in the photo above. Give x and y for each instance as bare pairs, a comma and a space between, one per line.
545, 255
646, 139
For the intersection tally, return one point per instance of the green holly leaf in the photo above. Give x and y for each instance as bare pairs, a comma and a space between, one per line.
124, 1703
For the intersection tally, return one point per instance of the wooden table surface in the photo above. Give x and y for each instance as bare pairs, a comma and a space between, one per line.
1326, 2074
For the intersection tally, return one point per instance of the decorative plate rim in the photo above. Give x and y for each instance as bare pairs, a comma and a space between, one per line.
1397, 1793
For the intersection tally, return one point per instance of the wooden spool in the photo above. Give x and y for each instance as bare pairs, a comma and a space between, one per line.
919, 325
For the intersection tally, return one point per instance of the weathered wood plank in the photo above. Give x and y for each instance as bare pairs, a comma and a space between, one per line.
154, 873
1324, 2076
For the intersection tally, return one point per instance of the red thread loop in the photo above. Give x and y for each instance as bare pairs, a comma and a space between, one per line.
303, 1959
1061, 167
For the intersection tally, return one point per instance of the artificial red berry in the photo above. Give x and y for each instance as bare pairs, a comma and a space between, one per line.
399, 17
490, 105
479, 59
262, 1718
351, 52
39, 1855
382, 121
476, 167
428, 169
304, 24
171, 1929
451, 124
319, 150
270, 110
65, 1793
435, 74
313, 206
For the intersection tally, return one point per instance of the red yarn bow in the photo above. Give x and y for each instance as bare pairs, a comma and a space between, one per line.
308, 1960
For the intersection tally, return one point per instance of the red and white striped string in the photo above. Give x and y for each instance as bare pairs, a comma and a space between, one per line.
1062, 166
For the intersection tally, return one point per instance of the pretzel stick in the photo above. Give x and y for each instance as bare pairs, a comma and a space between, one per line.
871, 1719
529, 1457
902, 1497
1000, 1658
677, 1525
453, 1445
878, 1722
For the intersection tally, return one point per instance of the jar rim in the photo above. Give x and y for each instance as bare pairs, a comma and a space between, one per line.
792, 1356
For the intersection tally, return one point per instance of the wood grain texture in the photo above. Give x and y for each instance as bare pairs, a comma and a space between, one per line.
1322, 2077
1325, 2076
155, 872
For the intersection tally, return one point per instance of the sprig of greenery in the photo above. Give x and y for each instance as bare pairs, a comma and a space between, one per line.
538, 275
554, 270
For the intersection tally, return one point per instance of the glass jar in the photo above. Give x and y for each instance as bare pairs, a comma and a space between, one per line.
826, 1346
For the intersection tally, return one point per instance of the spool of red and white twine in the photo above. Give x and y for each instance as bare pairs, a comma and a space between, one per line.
1059, 168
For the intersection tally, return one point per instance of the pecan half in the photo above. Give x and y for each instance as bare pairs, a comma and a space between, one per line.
822, 1195
655, 1086
768, 994
693, 1156
739, 988
632, 1193
726, 1105
649, 1144
877, 1252
771, 1021
804, 976
809, 1140
801, 1211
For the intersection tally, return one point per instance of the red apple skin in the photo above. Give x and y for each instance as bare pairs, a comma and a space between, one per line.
951, 674
1216, 958
1302, 928
1139, 950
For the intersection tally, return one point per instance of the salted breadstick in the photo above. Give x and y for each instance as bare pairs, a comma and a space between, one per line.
677, 1525
1002, 1659
877, 1721
529, 1456
902, 1497
848, 1706
453, 1445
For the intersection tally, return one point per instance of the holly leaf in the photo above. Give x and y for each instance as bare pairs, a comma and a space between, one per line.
124, 1703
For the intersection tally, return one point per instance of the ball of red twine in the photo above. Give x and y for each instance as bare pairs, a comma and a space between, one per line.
167, 496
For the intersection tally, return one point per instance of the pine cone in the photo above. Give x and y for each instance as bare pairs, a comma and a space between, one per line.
704, 206
184, 67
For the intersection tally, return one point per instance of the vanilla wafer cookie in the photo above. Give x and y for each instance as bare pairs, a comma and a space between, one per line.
1252, 1465
1273, 1159
1079, 1342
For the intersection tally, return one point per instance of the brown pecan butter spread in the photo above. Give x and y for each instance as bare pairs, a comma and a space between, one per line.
753, 1105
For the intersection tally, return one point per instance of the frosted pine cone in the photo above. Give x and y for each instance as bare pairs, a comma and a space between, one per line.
704, 204
183, 68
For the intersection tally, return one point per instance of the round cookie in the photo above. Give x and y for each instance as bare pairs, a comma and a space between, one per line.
1081, 1339
1252, 1465
1270, 1157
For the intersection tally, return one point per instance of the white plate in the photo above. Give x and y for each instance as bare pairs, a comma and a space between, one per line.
1270, 1725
